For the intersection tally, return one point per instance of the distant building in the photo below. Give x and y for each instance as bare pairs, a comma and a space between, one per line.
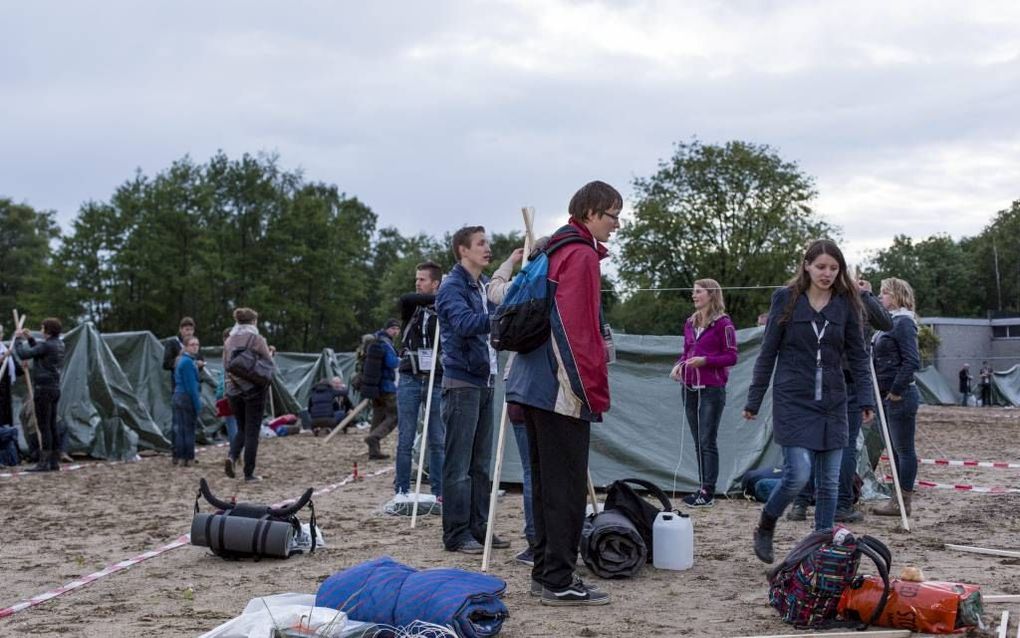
996, 340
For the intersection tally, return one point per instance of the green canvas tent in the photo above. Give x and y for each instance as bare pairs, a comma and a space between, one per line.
933, 387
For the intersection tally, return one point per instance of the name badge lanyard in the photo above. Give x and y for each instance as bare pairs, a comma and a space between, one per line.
818, 358
425, 362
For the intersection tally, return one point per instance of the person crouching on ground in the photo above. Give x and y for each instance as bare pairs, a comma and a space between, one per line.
187, 401
247, 400
813, 321
896, 360
328, 404
563, 386
710, 350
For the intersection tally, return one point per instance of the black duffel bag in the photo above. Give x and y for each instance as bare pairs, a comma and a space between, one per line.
621, 497
247, 364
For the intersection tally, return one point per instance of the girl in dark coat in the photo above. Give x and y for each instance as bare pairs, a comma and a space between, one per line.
896, 360
812, 322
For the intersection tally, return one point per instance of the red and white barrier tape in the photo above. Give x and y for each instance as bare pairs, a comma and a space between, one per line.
124, 564
979, 489
81, 466
999, 465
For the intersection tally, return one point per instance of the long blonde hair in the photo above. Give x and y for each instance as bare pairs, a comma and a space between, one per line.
716, 306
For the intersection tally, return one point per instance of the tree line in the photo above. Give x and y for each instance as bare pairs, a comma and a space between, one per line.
200, 239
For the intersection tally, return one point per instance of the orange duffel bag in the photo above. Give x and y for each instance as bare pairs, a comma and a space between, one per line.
931, 606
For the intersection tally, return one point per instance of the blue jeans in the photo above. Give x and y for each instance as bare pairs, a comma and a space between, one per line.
704, 411
467, 414
902, 418
230, 422
848, 463
521, 434
411, 395
184, 433
797, 465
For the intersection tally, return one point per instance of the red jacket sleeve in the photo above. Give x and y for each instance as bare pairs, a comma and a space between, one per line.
578, 300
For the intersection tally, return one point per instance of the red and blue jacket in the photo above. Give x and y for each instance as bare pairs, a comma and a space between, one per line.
568, 374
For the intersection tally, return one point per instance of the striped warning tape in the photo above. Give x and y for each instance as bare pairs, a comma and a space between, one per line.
979, 489
81, 466
999, 465
180, 542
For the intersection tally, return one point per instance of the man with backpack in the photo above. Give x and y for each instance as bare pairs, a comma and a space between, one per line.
563, 385
418, 312
383, 355
469, 369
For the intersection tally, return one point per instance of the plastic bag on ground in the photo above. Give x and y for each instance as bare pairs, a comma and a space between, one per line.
291, 614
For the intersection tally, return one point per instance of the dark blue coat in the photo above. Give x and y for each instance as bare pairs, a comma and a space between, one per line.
896, 355
790, 349
463, 311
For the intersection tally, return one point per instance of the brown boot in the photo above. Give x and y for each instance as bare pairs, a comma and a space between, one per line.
892, 508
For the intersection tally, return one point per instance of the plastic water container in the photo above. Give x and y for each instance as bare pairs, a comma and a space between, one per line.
672, 541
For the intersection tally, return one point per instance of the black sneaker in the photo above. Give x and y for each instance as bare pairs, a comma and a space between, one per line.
228, 468
575, 594
848, 516
536, 587
526, 557
797, 513
499, 543
470, 546
254, 478
701, 498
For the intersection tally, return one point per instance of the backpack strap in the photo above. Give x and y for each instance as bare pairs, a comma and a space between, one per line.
877, 551
570, 236
654, 490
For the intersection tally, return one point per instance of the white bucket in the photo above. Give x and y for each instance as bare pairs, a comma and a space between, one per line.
672, 541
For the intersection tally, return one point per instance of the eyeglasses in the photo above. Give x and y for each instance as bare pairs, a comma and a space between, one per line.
615, 218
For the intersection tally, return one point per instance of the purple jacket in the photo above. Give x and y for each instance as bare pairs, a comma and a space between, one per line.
718, 344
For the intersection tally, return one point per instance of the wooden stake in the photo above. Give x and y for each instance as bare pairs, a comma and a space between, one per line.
888, 445
350, 417
497, 470
982, 550
425, 427
1003, 623
34, 418
1000, 598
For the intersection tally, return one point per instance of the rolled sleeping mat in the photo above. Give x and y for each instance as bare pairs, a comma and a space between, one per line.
254, 536
611, 546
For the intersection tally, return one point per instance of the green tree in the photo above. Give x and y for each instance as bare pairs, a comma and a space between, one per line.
996, 260
25, 259
939, 269
737, 213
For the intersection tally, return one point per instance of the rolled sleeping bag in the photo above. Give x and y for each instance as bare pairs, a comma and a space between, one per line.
611, 545
242, 535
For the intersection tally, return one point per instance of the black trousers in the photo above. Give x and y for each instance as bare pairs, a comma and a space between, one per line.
6, 405
46, 399
558, 446
248, 409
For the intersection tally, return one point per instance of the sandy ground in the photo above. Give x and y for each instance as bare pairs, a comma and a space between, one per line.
62, 526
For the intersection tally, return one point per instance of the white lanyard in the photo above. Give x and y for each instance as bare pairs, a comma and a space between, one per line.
818, 358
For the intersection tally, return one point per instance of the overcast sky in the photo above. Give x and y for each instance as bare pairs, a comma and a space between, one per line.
438, 114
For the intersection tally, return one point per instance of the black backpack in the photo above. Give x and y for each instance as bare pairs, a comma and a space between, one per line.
368, 367
621, 497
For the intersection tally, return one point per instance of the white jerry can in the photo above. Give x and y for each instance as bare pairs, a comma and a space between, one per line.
672, 541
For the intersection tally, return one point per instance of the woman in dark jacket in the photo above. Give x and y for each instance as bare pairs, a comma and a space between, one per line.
247, 400
710, 350
812, 323
896, 361
49, 364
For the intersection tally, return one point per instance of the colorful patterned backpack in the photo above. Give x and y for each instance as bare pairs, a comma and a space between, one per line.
806, 587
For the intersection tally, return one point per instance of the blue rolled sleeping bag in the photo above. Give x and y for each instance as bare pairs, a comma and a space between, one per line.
384, 591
